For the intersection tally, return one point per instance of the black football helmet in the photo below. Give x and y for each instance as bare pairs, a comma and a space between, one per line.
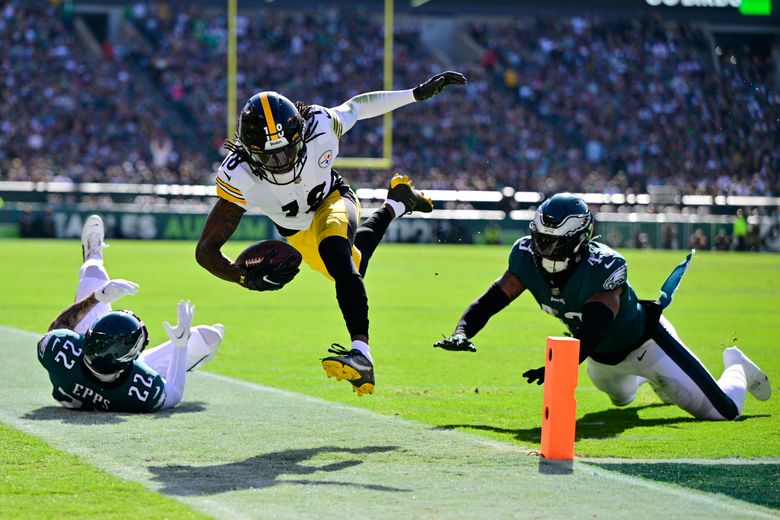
270, 130
114, 341
560, 232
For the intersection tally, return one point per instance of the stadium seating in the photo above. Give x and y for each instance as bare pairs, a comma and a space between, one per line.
574, 103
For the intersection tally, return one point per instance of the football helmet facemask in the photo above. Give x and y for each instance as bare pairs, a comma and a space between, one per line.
113, 342
270, 130
560, 232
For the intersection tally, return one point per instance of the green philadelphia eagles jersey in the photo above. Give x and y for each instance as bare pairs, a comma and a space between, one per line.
138, 389
603, 270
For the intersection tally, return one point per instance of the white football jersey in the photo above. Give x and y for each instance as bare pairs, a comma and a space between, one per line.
290, 206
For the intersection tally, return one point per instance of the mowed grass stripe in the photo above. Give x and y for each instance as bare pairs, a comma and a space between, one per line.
239, 449
38, 481
416, 294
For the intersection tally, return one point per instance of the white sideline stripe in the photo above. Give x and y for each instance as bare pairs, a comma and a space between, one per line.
214, 505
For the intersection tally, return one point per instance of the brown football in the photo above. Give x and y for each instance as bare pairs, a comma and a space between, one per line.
254, 254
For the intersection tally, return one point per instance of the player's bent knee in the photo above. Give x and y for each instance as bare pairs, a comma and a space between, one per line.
94, 271
625, 401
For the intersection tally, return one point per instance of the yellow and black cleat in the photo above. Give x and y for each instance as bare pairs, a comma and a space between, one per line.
351, 365
402, 190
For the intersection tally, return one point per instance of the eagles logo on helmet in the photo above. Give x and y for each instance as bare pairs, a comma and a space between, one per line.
560, 232
270, 131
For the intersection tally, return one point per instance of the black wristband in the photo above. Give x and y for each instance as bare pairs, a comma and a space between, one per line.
481, 310
596, 317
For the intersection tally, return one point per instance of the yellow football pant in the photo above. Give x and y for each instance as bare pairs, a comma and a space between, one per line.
336, 217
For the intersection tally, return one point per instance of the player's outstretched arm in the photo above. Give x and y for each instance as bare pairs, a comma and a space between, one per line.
110, 292
179, 335
373, 104
437, 83
220, 225
500, 294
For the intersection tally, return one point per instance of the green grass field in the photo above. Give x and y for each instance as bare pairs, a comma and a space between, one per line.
416, 294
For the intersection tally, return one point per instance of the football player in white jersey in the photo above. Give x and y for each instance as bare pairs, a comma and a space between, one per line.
282, 163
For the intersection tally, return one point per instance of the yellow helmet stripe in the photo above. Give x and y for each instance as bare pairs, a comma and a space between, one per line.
269, 116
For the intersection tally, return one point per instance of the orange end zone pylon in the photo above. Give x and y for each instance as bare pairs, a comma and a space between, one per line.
560, 408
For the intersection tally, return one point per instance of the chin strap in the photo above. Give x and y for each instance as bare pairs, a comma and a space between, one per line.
552, 268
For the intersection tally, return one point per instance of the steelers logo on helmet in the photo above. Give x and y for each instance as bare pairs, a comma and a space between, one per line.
560, 232
271, 130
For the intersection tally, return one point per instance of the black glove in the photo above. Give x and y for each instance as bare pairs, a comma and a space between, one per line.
535, 374
456, 342
265, 277
435, 85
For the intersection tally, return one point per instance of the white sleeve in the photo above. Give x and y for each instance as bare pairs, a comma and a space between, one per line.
370, 104
175, 377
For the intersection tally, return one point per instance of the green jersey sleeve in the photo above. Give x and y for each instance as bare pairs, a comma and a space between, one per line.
521, 260
607, 270
60, 349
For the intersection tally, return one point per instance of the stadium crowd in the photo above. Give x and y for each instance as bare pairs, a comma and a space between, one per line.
640, 103
68, 115
554, 103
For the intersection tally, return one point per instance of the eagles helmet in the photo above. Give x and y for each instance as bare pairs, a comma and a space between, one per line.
270, 130
114, 341
560, 232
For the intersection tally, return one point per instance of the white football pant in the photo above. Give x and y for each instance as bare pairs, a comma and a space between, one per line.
676, 374
201, 347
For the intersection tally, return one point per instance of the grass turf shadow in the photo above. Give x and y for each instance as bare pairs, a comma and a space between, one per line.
58, 413
605, 424
755, 483
596, 425
263, 471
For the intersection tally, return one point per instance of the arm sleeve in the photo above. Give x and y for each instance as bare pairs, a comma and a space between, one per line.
175, 377
596, 317
225, 190
481, 310
370, 104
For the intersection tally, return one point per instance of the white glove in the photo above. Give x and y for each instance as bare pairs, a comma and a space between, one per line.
115, 289
181, 333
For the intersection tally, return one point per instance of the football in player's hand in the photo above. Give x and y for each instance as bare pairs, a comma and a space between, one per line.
277, 250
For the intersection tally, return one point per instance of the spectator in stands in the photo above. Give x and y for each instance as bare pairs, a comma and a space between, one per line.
669, 236
698, 240
722, 241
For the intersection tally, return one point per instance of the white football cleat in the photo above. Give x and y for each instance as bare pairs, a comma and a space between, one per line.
757, 380
93, 235
203, 343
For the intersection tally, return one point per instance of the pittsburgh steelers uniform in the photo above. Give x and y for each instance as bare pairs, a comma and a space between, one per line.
639, 345
313, 208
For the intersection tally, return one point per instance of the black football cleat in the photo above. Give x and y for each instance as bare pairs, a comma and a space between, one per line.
351, 365
402, 190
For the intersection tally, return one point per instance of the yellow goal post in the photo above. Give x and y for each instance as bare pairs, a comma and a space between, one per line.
374, 163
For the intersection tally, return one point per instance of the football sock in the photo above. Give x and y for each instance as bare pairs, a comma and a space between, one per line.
362, 346
92, 276
399, 208
734, 384
370, 234
336, 254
